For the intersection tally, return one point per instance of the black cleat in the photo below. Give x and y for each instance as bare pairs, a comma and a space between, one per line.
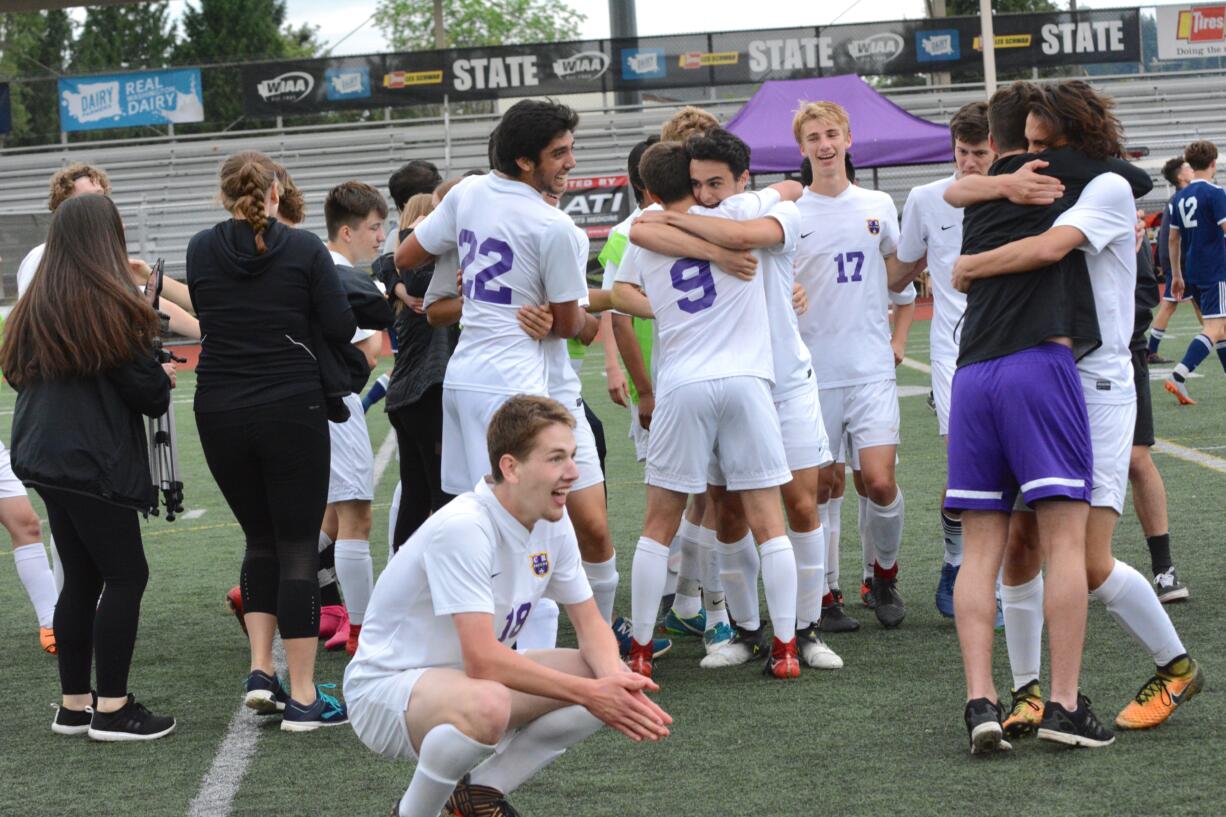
983, 727
1077, 728
888, 605
478, 801
835, 618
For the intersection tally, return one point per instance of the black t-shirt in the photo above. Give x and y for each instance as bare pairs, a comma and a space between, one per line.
1147, 296
1009, 313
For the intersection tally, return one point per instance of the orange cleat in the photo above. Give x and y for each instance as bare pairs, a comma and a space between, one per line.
1180, 390
351, 643
640, 659
46, 637
235, 600
1159, 698
783, 662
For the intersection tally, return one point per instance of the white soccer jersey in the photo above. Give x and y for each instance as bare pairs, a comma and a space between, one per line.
470, 557
514, 250
619, 238
709, 324
792, 364
840, 262
932, 226
29, 266
562, 376
1106, 215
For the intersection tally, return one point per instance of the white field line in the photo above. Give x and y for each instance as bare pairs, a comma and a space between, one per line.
1190, 455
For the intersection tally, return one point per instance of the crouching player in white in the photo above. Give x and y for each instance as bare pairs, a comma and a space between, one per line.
435, 677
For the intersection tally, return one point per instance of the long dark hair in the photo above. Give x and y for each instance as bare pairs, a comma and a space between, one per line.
81, 314
1086, 118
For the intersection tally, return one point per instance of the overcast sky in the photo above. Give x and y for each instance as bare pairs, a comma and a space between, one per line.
337, 19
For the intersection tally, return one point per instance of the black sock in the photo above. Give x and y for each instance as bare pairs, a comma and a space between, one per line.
1159, 552
329, 590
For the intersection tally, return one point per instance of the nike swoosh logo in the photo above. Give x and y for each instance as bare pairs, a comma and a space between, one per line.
944, 227
495, 575
806, 235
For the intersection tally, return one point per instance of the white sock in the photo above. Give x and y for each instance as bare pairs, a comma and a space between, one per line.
602, 576
952, 530
674, 564
35, 573
392, 513
1022, 606
833, 527
648, 575
738, 570
883, 523
687, 602
1131, 601
866, 540
712, 583
57, 569
540, 631
810, 550
779, 581
535, 746
355, 571
447, 754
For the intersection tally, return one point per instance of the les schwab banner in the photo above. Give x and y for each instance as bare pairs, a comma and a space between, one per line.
1191, 32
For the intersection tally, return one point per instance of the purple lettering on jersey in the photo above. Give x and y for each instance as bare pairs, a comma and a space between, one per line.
476, 287
845, 259
515, 622
703, 280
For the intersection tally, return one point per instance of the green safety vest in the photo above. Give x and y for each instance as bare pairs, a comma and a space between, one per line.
644, 330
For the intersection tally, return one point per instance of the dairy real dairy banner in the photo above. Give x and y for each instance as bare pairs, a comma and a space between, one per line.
124, 100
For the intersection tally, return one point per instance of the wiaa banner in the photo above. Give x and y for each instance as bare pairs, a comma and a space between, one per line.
6, 109
658, 63
125, 100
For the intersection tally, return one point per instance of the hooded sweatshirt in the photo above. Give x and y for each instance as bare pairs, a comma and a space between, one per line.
257, 311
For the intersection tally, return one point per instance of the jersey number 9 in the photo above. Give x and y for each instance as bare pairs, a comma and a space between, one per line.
702, 280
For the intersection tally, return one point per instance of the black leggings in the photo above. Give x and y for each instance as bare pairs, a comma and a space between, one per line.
271, 463
419, 431
100, 548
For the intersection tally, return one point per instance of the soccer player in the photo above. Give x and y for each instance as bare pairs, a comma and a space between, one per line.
1177, 173
354, 214
434, 677
932, 229
1198, 222
713, 385
719, 170
847, 238
1101, 224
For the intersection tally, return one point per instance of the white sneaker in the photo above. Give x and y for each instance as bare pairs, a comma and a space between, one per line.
817, 654
744, 646
716, 636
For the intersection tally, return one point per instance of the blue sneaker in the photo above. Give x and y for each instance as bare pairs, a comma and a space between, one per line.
945, 589
623, 630
326, 711
675, 625
265, 694
716, 636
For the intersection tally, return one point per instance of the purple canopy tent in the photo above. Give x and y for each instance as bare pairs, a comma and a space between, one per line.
882, 133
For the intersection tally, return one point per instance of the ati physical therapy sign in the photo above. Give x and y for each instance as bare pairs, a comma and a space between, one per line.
124, 100
1189, 32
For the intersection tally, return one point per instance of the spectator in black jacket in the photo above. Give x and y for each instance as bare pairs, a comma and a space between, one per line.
79, 350
262, 292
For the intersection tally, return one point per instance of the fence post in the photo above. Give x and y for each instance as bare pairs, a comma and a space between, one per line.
446, 136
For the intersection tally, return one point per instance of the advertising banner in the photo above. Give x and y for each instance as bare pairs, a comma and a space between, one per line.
124, 100
598, 203
1189, 32
6, 109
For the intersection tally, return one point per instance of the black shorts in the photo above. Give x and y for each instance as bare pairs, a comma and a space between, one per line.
1143, 432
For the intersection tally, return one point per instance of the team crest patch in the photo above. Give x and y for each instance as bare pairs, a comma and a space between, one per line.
540, 564
874, 226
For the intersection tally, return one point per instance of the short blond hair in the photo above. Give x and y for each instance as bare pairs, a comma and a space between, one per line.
62, 183
820, 112
687, 122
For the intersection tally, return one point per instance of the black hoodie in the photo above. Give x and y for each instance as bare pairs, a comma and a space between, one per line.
257, 312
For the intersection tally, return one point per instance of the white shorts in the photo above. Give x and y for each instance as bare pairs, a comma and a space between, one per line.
10, 486
585, 453
732, 418
466, 419
942, 389
1111, 427
867, 413
377, 708
639, 435
353, 463
804, 435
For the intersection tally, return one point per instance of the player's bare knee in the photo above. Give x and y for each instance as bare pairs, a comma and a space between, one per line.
485, 712
802, 513
881, 489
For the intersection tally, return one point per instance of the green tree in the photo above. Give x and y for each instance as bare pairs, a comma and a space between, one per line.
970, 8
409, 24
34, 49
119, 37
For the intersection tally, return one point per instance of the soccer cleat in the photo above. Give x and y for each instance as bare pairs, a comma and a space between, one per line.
1155, 359
477, 801
866, 594
340, 638
834, 617
1026, 713
814, 651
945, 589
983, 727
675, 625
716, 636
351, 643
1169, 588
71, 721
326, 711
330, 618
1180, 390
783, 661
932, 401
640, 659
46, 638
264, 694
1159, 698
622, 630
890, 609
132, 721
745, 645
234, 599
1077, 728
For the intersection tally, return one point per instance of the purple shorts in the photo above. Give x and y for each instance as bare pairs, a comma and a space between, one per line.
1018, 423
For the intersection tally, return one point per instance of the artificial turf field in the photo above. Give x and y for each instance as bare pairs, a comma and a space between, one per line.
884, 735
